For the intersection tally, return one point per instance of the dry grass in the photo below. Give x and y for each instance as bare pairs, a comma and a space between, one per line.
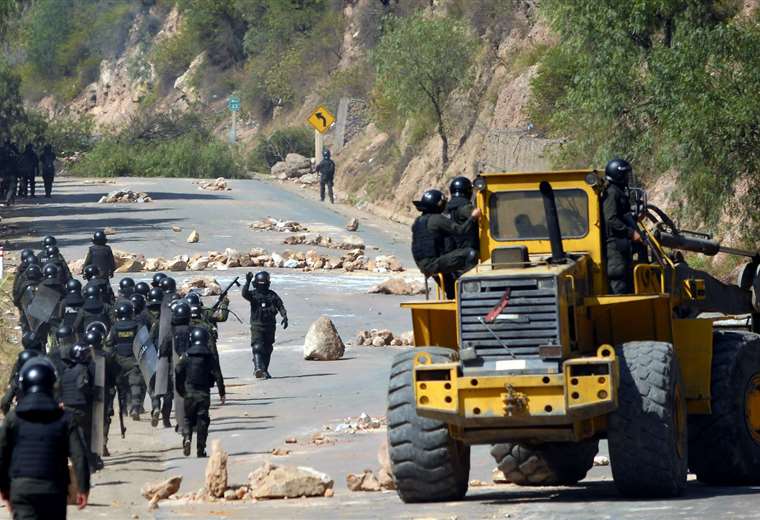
10, 336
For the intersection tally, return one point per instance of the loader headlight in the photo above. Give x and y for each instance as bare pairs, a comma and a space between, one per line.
546, 283
469, 287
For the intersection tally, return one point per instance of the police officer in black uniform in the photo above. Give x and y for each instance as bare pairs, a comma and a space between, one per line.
142, 288
33, 347
53, 256
94, 279
93, 310
36, 441
126, 290
29, 166
326, 171
265, 304
119, 344
430, 232
48, 169
195, 375
459, 209
619, 229
100, 255
78, 392
72, 301
9, 162
209, 319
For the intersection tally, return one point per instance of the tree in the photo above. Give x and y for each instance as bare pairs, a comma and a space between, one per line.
419, 62
11, 104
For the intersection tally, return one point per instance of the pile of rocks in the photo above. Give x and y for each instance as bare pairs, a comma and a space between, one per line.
362, 423
383, 338
219, 184
347, 242
203, 285
373, 481
273, 224
293, 167
128, 196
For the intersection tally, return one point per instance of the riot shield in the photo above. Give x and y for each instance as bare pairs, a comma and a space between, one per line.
98, 404
161, 383
179, 401
145, 353
26, 297
164, 323
43, 306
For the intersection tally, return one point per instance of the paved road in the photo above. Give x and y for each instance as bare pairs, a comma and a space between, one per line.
303, 397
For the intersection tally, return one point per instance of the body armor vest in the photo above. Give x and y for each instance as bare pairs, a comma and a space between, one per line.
101, 257
73, 379
124, 337
41, 450
181, 339
425, 243
199, 371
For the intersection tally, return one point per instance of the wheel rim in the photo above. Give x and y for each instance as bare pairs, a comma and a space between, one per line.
679, 417
752, 407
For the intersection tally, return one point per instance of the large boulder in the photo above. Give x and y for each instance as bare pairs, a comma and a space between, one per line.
216, 470
131, 265
280, 170
203, 285
398, 286
297, 161
323, 342
272, 481
155, 491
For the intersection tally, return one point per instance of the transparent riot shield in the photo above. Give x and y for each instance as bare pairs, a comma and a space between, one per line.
179, 401
98, 404
43, 305
161, 385
146, 354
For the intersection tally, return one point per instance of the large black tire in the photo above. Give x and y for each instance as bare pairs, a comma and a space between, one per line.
648, 432
550, 464
428, 464
722, 447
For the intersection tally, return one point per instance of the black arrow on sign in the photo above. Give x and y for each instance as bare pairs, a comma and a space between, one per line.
322, 118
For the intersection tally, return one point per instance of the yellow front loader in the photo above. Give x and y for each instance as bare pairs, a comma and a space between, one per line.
535, 358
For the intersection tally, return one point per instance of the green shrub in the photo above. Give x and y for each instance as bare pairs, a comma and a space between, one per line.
278, 145
173, 56
70, 134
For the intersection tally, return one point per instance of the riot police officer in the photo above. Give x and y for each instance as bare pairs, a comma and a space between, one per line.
48, 240
430, 232
619, 228
326, 171
93, 310
72, 301
143, 289
119, 343
100, 255
26, 291
459, 209
208, 319
94, 278
195, 375
156, 280
33, 347
53, 256
265, 304
78, 392
36, 441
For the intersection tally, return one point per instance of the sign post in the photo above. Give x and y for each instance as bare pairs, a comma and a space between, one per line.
233, 103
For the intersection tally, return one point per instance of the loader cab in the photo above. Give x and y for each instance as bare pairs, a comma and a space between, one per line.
513, 230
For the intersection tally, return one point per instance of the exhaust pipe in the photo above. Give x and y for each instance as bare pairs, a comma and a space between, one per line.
552, 223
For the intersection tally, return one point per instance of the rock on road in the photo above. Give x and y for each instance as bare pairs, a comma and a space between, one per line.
304, 396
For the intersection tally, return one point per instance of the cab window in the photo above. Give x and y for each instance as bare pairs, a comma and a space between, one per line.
519, 215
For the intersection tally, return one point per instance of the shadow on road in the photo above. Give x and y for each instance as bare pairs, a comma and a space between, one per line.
304, 375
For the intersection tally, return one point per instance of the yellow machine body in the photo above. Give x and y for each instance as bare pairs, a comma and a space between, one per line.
573, 384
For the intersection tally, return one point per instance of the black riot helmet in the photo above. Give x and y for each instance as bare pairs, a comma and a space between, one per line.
99, 327
138, 302
50, 271
196, 312
30, 260
181, 314
127, 287
93, 338
26, 355
432, 201
125, 311
261, 280
49, 241
155, 297
37, 377
31, 341
64, 332
52, 251
199, 335
33, 273
142, 288
99, 238
80, 353
156, 282
326, 154
74, 286
92, 291
26, 253
193, 298
460, 187
91, 271
618, 172
168, 284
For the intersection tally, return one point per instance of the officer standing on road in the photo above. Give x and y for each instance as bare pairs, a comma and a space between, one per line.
78, 392
208, 319
459, 209
126, 290
33, 347
100, 255
618, 226
195, 375
429, 234
119, 343
36, 441
29, 165
48, 169
326, 171
94, 279
265, 304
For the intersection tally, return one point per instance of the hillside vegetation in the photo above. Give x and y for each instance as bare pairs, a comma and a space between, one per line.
671, 85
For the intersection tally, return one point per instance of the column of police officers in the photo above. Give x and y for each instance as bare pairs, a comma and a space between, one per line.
19, 170
86, 347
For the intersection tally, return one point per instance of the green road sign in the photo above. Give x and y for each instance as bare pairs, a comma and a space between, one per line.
233, 103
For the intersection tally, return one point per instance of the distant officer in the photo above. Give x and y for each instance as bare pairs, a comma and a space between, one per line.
29, 166
619, 230
48, 169
33, 275
156, 280
72, 301
265, 304
33, 347
93, 310
49, 240
326, 171
119, 343
78, 392
195, 375
36, 442
53, 256
459, 209
208, 319
126, 290
9, 163
429, 234
100, 255
94, 278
